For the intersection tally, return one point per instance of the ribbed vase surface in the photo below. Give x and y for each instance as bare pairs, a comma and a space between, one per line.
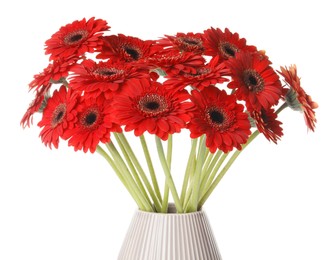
172, 236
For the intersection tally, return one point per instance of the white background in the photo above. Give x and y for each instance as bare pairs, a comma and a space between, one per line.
275, 202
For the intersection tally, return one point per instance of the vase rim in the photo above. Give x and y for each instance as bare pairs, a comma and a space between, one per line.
171, 211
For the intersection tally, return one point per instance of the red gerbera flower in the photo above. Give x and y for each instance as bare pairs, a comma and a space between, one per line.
184, 42
54, 72
174, 62
297, 98
224, 44
204, 76
220, 118
254, 81
35, 105
93, 125
58, 115
148, 106
76, 38
127, 48
102, 78
267, 124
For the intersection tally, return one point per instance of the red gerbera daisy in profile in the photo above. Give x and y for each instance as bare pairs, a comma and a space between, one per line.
204, 76
220, 118
58, 115
183, 42
102, 78
254, 81
54, 72
175, 62
267, 124
76, 38
148, 106
297, 98
93, 125
35, 106
225, 44
127, 48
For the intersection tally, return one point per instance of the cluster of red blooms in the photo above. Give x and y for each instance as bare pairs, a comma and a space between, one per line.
211, 83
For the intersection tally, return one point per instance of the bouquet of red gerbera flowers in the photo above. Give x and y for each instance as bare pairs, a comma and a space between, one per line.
212, 85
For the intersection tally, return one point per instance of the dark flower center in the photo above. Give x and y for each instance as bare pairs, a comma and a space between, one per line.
58, 114
132, 52
191, 41
228, 49
253, 81
75, 37
106, 72
90, 118
152, 105
199, 72
189, 44
216, 117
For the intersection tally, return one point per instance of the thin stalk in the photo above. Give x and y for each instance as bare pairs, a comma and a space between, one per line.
164, 206
102, 152
213, 174
151, 168
209, 166
168, 175
190, 167
132, 167
197, 176
282, 107
187, 200
129, 179
140, 170
225, 169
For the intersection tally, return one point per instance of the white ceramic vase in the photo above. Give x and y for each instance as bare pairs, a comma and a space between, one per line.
171, 236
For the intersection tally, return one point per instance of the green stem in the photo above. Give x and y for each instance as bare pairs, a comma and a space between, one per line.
225, 169
187, 200
150, 166
190, 167
129, 179
214, 173
197, 176
164, 206
102, 152
209, 166
168, 175
282, 107
169, 163
140, 170
132, 167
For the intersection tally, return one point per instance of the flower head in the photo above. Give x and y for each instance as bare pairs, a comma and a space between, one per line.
35, 106
204, 76
105, 78
267, 124
220, 118
174, 62
93, 125
224, 44
184, 42
54, 72
58, 116
127, 48
148, 106
76, 38
254, 81
298, 98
